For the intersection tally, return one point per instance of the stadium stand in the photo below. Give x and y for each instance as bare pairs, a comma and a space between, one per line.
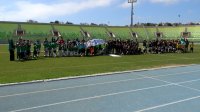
35, 31
121, 32
171, 32
7, 30
141, 32
151, 31
195, 33
96, 31
69, 32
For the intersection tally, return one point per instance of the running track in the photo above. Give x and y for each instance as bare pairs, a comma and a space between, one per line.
160, 90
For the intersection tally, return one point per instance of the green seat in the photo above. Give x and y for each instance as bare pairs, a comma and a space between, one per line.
69, 32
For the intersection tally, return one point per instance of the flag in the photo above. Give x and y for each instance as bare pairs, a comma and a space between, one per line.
95, 42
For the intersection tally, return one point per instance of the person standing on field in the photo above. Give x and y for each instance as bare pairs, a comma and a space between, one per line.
192, 47
11, 50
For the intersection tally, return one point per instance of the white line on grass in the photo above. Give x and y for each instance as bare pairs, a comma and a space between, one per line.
119, 81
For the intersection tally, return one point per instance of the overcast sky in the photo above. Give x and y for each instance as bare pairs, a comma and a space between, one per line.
113, 12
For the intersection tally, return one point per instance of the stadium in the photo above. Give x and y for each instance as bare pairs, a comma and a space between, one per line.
34, 31
99, 67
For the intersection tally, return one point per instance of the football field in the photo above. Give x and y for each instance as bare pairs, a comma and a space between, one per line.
48, 68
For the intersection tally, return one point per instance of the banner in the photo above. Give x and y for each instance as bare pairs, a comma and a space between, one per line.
95, 42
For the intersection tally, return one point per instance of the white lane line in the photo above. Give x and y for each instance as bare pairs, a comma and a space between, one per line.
100, 96
196, 80
168, 104
73, 87
65, 88
90, 98
180, 101
177, 84
180, 73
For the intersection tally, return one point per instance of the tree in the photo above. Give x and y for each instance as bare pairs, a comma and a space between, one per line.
31, 21
56, 22
69, 23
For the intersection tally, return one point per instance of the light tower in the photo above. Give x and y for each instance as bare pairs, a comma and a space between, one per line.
132, 13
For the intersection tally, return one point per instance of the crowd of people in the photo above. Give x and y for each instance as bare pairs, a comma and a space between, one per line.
23, 49
168, 46
123, 47
58, 47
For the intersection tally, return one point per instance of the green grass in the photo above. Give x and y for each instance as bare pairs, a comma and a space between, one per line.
47, 68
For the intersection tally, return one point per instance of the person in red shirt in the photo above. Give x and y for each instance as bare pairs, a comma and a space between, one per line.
61, 43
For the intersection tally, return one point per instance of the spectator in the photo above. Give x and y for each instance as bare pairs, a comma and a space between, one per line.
144, 46
11, 50
46, 47
192, 47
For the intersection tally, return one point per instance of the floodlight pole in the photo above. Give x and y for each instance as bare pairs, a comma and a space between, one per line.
132, 13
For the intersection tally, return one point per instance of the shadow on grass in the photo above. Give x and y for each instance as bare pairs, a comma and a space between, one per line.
31, 59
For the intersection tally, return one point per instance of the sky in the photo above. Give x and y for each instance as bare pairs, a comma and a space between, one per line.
111, 12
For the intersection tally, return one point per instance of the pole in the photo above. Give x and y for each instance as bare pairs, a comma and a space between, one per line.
132, 13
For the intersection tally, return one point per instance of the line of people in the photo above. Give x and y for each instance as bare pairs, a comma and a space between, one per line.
168, 46
58, 47
123, 47
24, 49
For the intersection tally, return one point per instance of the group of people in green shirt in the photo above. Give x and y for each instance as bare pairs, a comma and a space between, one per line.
23, 49
56, 47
